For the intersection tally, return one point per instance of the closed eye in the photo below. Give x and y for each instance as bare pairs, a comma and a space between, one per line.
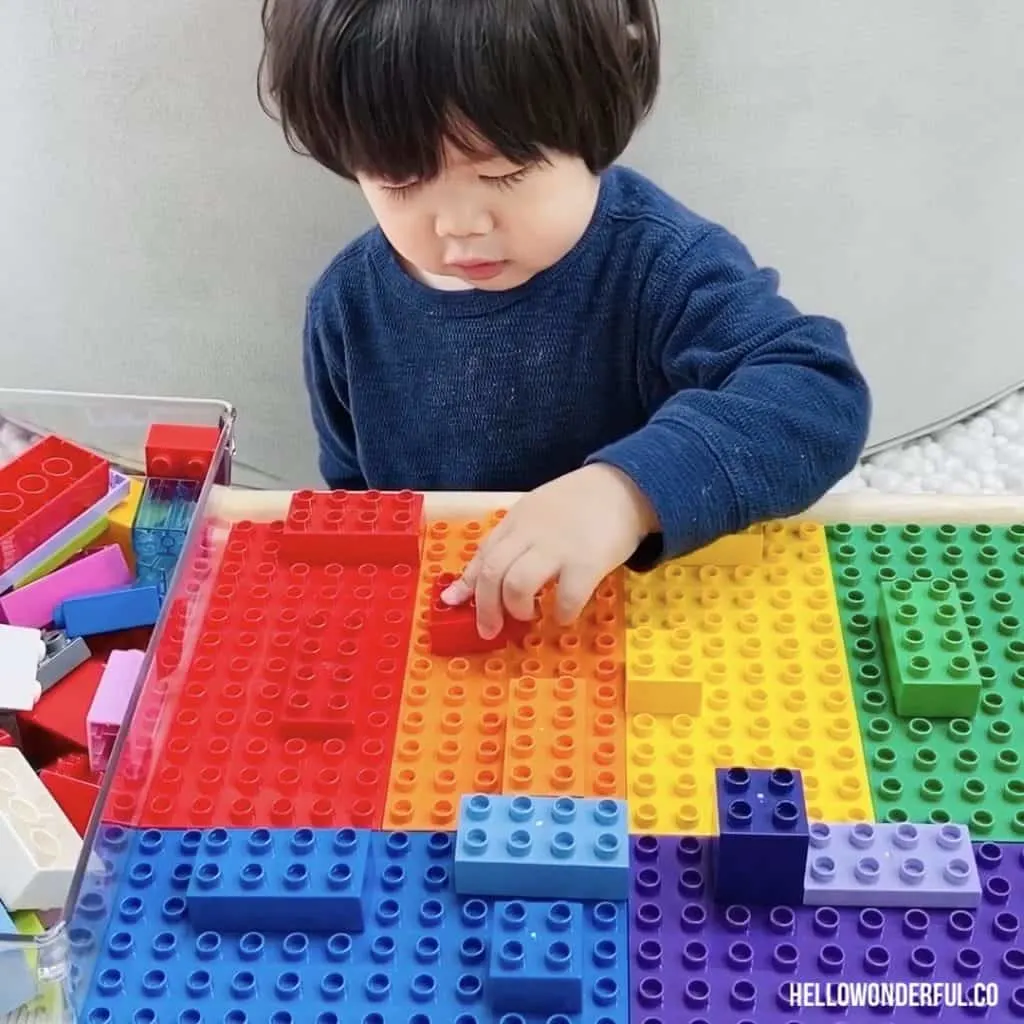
506, 180
401, 190
503, 181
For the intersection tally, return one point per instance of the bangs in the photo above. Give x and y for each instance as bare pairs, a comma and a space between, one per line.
379, 86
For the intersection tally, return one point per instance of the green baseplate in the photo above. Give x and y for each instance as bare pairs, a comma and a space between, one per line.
934, 769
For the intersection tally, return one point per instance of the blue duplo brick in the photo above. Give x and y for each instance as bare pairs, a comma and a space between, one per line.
760, 853
536, 957
542, 847
280, 880
891, 865
108, 611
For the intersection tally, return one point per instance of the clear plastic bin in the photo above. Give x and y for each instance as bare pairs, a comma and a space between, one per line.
114, 426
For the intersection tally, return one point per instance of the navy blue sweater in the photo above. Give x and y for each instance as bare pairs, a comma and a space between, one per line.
655, 345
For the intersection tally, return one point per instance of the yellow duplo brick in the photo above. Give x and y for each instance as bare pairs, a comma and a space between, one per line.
661, 673
122, 518
744, 548
765, 648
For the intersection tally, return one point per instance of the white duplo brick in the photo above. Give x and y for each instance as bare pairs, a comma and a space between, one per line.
39, 847
21, 651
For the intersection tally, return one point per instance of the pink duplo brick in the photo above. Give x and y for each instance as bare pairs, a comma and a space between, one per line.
34, 604
110, 704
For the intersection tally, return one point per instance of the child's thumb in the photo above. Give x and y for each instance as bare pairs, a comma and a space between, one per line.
458, 592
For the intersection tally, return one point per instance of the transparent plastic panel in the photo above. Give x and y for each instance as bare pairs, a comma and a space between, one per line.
44, 961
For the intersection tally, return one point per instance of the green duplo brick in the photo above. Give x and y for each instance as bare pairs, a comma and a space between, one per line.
928, 653
964, 770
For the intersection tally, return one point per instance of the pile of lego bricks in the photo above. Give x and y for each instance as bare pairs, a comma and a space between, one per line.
86, 557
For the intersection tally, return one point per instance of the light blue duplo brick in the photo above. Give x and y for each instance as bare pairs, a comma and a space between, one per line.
16, 982
542, 848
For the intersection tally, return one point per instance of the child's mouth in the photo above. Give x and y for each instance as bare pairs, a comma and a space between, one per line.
479, 270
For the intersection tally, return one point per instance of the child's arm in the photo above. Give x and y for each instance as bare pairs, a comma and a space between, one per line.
768, 408
764, 411
327, 385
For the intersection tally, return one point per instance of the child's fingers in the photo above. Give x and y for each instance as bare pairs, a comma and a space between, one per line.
489, 580
461, 590
524, 579
575, 587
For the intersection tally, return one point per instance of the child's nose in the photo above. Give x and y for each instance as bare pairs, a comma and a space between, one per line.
462, 221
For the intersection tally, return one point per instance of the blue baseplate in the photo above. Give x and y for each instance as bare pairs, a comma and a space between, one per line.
422, 959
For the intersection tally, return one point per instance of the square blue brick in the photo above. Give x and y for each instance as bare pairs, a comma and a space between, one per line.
280, 880
890, 865
535, 962
760, 854
542, 848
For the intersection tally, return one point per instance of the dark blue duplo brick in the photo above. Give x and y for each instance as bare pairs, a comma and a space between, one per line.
760, 853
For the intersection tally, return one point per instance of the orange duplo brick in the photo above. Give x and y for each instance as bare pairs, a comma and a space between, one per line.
451, 736
566, 736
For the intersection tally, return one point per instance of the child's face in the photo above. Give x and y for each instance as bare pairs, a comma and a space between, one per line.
485, 221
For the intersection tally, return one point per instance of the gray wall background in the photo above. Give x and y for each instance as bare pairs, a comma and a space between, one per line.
157, 236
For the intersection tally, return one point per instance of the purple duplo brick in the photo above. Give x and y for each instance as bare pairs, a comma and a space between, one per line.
110, 703
693, 962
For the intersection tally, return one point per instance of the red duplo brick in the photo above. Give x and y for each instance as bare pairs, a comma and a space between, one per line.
354, 527
74, 787
284, 711
452, 628
43, 490
180, 451
6, 739
56, 725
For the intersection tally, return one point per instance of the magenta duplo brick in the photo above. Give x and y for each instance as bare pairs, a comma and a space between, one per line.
33, 605
695, 962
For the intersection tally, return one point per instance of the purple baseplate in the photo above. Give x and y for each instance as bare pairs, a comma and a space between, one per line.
692, 962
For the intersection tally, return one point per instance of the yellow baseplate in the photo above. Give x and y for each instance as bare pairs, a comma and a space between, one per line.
763, 645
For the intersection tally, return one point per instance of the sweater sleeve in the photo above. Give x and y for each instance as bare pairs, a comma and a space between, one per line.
767, 409
327, 385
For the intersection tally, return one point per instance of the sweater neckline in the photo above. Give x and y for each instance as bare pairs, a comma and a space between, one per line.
476, 301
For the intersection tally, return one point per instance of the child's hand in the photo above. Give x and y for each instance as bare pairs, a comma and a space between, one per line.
576, 529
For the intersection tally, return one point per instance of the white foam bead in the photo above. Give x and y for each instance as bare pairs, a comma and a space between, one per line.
887, 479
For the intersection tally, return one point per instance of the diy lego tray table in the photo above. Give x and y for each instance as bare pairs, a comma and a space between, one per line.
112, 429
281, 841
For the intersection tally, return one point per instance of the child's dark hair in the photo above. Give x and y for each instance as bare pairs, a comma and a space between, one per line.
377, 86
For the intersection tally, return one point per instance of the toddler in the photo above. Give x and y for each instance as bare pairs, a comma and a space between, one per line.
528, 315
